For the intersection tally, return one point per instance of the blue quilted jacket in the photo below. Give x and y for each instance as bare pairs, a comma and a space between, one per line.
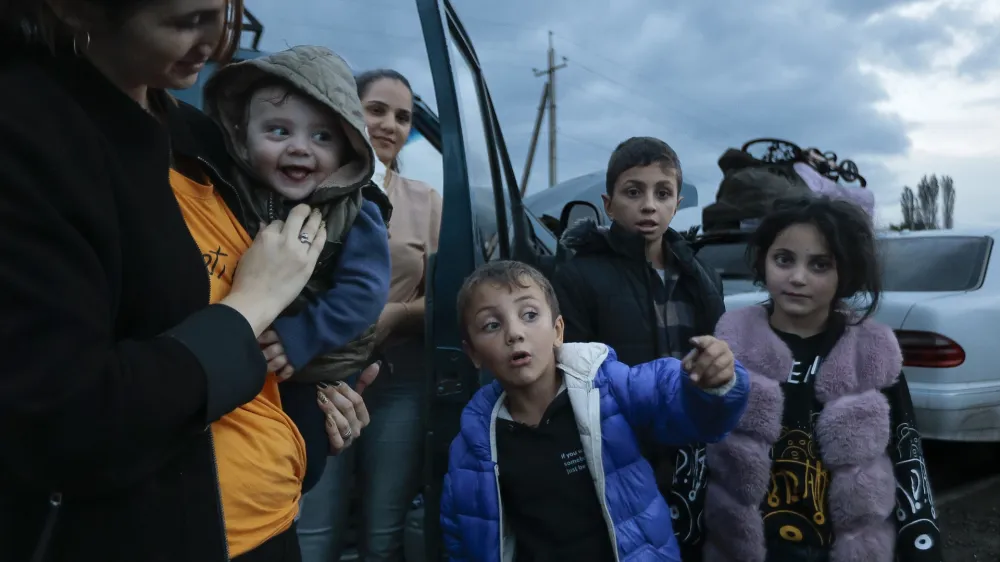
611, 402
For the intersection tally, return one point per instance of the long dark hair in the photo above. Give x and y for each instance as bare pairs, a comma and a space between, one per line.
33, 22
849, 234
365, 81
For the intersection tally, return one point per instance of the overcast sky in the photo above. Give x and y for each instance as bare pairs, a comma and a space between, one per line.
903, 88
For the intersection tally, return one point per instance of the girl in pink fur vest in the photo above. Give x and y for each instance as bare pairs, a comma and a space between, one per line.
826, 465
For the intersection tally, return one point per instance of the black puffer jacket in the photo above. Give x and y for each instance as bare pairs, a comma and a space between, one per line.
605, 290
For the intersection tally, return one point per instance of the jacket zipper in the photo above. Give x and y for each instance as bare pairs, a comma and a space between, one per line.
496, 471
607, 512
496, 475
272, 215
215, 468
45, 539
218, 492
657, 343
596, 447
208, 429
219, 180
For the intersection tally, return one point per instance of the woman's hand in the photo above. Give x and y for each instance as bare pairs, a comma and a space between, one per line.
346, 414
277, 266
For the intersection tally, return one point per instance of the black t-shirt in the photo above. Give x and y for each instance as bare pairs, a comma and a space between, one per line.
796, 509
548, 492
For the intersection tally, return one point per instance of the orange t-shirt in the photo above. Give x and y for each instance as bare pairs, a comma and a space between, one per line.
260, 453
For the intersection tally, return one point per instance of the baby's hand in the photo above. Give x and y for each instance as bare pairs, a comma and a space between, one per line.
710, 364
274, 353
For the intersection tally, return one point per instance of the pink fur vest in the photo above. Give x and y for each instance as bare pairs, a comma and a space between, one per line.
852, 432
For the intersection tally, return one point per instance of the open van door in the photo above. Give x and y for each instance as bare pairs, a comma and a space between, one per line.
482, 219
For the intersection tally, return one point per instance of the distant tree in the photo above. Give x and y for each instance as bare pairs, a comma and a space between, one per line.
928, 189
948, 201
920, 208
908, 204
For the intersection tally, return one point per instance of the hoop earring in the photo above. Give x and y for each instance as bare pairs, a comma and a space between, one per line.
86, 46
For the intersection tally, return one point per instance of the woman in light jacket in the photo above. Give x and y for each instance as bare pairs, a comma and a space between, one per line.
387, 462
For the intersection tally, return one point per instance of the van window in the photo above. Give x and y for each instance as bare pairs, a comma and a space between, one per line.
933, 263
419, 160
476, 152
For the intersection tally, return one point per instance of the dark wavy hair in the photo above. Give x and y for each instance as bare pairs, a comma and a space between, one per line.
33, 22
849, 234
365, 81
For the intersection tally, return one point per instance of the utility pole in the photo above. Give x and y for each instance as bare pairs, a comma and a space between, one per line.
534, 139
550, 73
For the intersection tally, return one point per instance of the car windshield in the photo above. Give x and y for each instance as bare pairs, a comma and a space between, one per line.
933, 263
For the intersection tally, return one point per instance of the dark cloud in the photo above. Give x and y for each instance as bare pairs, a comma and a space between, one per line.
909, 43
702, 75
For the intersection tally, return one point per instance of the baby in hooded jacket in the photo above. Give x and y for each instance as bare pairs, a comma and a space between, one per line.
293, 123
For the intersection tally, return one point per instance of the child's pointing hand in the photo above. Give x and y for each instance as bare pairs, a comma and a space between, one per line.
710, 364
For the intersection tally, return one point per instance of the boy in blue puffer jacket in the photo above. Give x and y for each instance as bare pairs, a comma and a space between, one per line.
546, 466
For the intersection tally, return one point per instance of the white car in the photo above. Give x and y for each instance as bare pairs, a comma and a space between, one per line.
944, 304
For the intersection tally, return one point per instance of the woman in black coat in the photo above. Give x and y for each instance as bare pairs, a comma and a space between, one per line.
116, 364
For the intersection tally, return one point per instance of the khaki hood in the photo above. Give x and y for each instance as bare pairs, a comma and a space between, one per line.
316, 72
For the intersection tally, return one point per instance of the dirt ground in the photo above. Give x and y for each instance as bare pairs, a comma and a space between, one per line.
970, 527
968, 514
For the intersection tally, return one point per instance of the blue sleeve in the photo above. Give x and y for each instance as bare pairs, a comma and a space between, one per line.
449, 523
359, 293
659, 396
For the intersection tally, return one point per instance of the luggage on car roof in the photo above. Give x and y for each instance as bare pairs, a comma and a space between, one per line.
751, 183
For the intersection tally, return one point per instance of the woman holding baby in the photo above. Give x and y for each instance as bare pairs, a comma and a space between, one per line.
135, 333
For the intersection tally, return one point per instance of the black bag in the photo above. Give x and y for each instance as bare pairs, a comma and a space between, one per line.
749, 189
750, 184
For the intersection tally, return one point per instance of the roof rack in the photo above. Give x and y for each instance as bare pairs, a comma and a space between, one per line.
253, 25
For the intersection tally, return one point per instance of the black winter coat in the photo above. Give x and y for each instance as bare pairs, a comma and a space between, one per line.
605, 295
114, 364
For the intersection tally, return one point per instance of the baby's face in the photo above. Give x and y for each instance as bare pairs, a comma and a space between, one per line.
294, 143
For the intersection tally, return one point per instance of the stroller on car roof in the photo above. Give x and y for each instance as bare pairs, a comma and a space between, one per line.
754, 177
765, 170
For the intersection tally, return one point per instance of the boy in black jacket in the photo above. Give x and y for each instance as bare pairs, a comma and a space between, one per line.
638, 287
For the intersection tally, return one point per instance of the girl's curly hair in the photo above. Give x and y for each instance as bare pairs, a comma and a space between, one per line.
849, 234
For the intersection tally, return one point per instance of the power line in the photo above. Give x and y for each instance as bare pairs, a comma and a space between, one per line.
554, 130
639, 95
395, 7
580, 140
550, 74
620, 64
